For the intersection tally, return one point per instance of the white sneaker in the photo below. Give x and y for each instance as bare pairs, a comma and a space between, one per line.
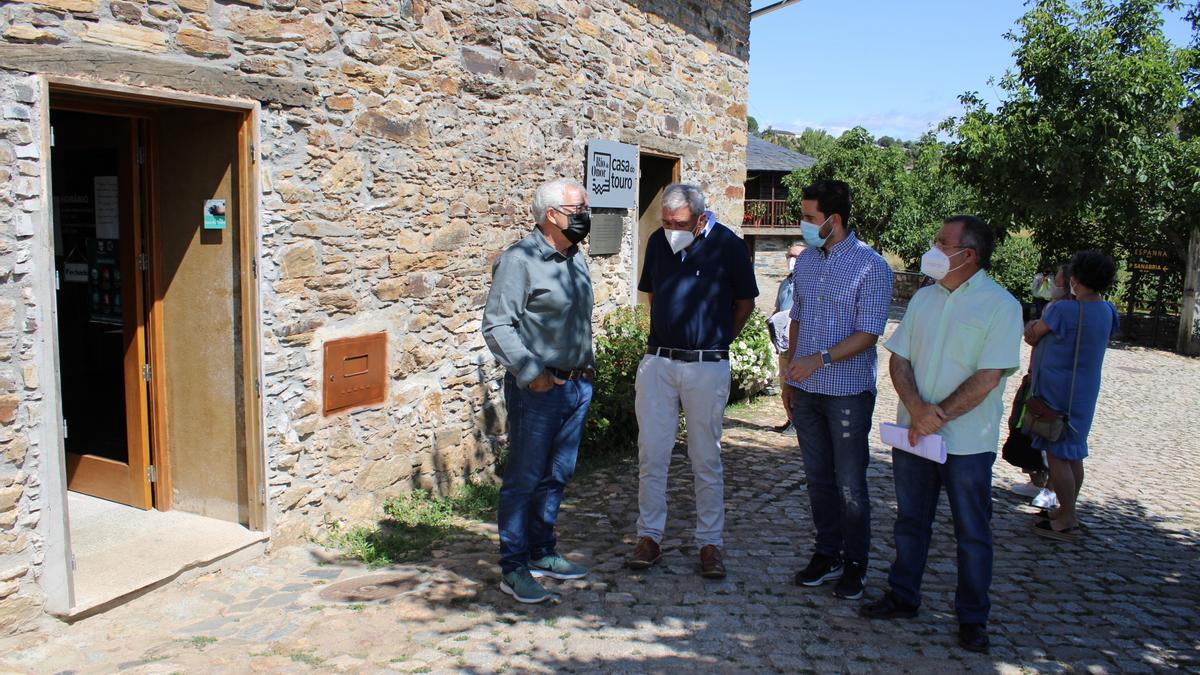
1027, 489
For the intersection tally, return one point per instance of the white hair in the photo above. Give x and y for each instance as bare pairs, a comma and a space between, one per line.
679, 195
549, 194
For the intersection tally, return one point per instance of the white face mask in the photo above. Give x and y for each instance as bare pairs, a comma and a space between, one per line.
1058, 293
679, 239
791, 265
936, 265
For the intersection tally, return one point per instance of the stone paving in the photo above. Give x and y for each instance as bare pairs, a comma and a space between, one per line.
1122, 600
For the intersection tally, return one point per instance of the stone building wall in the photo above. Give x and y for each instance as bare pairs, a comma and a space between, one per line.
400, 142
770, 266
22, 395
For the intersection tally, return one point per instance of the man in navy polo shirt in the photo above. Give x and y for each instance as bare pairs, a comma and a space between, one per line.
701, 285
843, 290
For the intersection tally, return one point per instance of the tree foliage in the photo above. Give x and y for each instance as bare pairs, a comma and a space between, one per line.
1084, 149
930, 194
900, 191
811, 142
876, 176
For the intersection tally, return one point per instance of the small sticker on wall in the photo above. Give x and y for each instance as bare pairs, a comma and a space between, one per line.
214, 214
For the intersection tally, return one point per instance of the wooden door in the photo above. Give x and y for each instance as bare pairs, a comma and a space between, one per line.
113, 315
199, 324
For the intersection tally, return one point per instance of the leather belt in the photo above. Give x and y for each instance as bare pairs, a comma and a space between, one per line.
574, 374
690, 355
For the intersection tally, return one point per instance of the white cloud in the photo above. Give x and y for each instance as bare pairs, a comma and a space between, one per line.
905, 125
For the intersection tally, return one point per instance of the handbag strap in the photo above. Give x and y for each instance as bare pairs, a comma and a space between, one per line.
1075, 366
1039, 355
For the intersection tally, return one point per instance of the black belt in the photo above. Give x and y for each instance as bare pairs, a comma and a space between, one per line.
575, 374
690, 355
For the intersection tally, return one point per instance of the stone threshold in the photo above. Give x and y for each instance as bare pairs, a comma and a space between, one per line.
122, 553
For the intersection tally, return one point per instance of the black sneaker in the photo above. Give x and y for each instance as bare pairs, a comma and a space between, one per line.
888, 607
973, 637
820, 569
850, 586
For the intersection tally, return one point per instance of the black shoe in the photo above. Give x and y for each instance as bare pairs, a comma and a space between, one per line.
850, 586
888, 607
785, 427
973, 637
820, 569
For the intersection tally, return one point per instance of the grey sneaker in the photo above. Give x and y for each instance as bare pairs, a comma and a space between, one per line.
556, 567
523, 587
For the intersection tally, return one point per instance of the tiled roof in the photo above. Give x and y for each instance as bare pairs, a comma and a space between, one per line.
764, 156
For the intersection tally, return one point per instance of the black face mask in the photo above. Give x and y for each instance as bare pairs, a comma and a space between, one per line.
578, 226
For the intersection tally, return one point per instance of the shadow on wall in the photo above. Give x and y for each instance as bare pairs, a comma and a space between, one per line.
723, 23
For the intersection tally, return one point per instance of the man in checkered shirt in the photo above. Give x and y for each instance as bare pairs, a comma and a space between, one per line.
842, 292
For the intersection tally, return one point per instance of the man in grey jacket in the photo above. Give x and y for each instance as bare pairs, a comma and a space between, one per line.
538, 324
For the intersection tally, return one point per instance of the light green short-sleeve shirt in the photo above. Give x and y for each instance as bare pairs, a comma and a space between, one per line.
947, 337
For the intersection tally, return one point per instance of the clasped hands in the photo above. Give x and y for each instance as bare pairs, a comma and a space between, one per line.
799, 370
927, 418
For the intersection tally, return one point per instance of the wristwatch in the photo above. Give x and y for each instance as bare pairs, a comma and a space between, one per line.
826, 359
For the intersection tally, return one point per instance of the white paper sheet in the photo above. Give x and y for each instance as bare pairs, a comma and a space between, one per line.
108, 220
931, 447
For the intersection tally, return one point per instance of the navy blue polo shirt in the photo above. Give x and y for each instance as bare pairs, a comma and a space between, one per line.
693, 299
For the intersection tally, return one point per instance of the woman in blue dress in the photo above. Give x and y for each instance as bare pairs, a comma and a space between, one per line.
1054, 335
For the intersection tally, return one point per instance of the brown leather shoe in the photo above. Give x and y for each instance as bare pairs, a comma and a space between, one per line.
711, 566
645, 554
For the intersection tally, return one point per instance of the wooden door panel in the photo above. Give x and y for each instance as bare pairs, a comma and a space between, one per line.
111, 478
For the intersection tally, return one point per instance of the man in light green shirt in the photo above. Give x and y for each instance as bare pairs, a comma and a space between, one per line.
958, 341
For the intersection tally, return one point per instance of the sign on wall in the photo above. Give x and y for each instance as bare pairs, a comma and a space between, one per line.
611, 174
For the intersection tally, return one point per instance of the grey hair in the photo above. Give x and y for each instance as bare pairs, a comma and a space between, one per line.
679, 195
976, 235
550, 194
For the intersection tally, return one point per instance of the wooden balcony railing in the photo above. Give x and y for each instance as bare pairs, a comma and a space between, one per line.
768, 213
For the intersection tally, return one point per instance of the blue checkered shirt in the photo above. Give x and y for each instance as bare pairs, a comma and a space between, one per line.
846, 291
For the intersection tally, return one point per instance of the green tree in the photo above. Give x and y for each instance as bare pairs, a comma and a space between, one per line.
814, 142
876, 176
751, 125
1083, 149
930, 194
811, 142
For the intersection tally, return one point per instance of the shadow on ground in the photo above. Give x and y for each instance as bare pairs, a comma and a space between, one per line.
1088, 605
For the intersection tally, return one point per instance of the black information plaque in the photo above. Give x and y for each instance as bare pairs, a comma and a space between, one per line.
608, 229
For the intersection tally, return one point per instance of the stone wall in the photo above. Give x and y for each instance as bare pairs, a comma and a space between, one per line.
770, 266
22, 499
400, 143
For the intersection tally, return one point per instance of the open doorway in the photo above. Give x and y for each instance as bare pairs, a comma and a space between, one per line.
156, 338
655, 173
98, 226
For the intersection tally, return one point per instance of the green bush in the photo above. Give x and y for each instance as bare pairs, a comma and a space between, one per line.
620, 344
611, 427
1014, 263
751, 358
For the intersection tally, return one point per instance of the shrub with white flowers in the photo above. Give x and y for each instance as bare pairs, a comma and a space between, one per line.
751, 357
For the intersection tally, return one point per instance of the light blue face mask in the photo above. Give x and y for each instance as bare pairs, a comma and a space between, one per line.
812, 233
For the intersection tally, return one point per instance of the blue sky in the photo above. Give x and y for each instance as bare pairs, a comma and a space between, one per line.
895, 67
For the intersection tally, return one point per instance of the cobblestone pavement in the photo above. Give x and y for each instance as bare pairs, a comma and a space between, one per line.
1124, 599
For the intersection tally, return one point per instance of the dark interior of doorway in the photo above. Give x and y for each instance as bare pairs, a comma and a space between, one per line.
655, 173
88, 180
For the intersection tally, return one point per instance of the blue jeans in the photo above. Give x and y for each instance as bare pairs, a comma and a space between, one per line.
832, 431
968, 482
543, 442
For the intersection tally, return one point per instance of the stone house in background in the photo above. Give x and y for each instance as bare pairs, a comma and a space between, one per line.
770, 227
244, 246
